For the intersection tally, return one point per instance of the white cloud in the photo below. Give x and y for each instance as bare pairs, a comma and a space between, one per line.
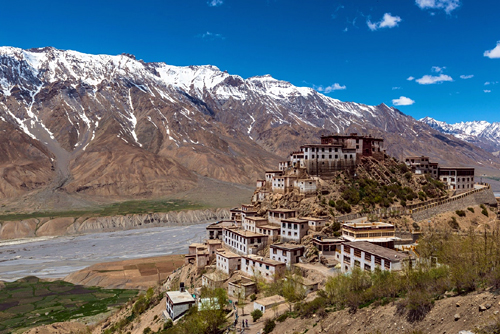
447, 5
493, 53
211, 36
410, 78
437, 69
396, 88
388, 21
329, 89
215, 3
487, 91
487, 83
431, 79
403, 101
463, 76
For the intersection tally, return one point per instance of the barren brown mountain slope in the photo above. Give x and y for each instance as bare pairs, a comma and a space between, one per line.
121, 128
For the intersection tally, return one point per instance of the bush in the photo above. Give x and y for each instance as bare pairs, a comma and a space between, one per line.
168, 324
253, 297
282, 317
147, 330
331, 203
336, 226
454, 224
342, 206
408, 176
416, 305
460, 213
484, 211
269, 326
256, 315
471, 209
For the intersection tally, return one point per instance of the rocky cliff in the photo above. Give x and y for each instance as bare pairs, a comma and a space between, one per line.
65, 226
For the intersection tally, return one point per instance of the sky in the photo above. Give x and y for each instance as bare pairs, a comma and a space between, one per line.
437, 58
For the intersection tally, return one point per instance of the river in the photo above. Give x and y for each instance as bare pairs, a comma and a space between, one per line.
56, 257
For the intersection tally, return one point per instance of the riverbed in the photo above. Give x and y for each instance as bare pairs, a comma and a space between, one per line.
56, 257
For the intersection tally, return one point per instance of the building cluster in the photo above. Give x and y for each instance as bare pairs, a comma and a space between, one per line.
304, 168
236, 248
252, 245
459, 179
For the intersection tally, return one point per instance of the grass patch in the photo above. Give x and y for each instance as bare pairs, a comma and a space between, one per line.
50, 302
115, 209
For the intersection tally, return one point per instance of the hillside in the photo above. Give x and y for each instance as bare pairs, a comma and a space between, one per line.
106, 128
372, 185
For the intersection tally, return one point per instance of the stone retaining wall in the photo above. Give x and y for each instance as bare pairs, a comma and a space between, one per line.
476, 197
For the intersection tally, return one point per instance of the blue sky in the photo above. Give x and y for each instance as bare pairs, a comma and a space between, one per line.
352, 50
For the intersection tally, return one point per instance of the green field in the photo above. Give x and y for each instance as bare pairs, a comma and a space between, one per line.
29, 302
115, 209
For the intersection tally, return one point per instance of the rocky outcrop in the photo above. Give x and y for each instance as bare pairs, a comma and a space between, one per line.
70, 225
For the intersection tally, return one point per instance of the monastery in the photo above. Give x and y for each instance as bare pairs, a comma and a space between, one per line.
253, 245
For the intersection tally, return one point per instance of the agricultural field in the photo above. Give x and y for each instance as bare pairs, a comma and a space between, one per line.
29, 302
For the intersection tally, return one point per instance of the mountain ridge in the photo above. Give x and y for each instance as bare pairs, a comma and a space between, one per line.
117, 127
481, 133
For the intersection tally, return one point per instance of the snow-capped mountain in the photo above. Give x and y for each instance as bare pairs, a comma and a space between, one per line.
481, 133
116, 126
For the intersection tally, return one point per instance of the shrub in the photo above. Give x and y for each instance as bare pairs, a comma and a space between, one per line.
253, 297
408, 176
331, 203
403, 203
471, 209
269, 326
460, 213
168, 324
342, 206
336, 226
454, 224
422, 196
282, 317
147, 330
256, 315
484, 211
416, 305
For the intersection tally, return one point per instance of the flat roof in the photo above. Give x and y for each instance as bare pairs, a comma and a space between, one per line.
270, 227
264, 260
287, 246
294, 220
386, 253
364, 225
321, 145
196, 244
227, 254
352, 135
328, 241
178, 297
216, 276
214, 241
455, 168
374, 240
417, 157
281, 210
256, 218
276, 299
274, 171
312, 218
243, 233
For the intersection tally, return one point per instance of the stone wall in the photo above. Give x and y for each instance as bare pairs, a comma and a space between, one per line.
425, 210
460, 202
